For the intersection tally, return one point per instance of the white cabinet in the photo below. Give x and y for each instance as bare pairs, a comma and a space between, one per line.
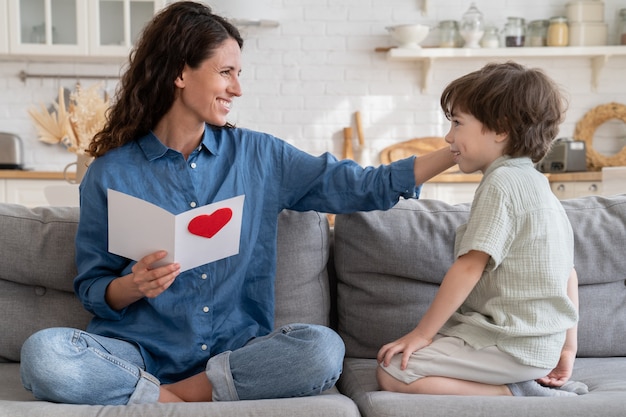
3, 194
48, 27
461, 190
573, 189
429, 191
115, 25
452, 193
28, 192
75, 28
33, 189
32, 192
4, 24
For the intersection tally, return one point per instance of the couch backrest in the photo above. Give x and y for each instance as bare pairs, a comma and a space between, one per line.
389, 266
302, 283
37, 269
36, 272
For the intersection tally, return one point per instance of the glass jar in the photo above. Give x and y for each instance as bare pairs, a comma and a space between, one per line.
491, 38
537, 33
514, 32
622, 27
558, 32
448, 34
38, 34
472, 27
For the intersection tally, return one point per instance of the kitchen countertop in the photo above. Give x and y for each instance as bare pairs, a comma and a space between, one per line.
33, 175
564, 177
442, 178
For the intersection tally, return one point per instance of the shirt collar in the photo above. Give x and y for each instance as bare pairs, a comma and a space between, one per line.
506, 160
153, 148
209, 141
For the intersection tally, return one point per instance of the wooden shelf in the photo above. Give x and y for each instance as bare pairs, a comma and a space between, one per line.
599, 56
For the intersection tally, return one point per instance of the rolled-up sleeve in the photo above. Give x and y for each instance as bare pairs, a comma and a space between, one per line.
325, 184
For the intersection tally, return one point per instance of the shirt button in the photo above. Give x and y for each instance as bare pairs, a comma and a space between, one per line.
192, 165
205, 309
204, 347
193, 204
204, 276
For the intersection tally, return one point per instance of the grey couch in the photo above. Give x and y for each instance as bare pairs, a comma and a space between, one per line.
371, 278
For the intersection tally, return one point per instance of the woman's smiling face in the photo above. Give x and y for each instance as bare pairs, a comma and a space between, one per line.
208, 91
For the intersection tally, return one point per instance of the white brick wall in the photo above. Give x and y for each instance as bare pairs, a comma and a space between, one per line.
304, 80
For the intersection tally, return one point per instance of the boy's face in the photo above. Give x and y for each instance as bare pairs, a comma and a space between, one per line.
474, 148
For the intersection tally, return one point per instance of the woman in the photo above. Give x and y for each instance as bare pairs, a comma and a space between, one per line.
205, 334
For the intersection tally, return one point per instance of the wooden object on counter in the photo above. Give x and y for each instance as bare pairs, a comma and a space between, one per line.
417, 146
359, 128
348, 151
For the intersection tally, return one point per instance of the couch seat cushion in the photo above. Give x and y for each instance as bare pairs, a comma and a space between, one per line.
604, 376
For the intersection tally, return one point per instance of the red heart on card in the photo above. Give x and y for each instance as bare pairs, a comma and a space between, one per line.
207, 225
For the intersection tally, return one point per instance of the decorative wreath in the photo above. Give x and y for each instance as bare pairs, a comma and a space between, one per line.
586, 127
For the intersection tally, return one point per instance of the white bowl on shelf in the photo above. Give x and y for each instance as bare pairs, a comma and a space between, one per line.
410, 35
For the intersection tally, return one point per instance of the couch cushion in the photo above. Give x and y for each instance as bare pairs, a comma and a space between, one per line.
15, 401
604, 377
38, 245
37, 270
331, 404
36, 274
599, 225
389, 265
302, 289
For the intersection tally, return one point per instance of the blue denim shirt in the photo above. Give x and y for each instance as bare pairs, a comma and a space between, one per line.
221, 305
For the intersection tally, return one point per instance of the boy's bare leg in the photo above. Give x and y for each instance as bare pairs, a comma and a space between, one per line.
436, 385
439, 385
196, 388
166, 396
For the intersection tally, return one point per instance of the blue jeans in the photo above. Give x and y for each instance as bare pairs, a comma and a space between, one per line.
72, 366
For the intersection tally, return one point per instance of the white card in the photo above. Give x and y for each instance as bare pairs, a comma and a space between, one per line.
196, 237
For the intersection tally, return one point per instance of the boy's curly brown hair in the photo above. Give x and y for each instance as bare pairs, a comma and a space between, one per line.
509, 98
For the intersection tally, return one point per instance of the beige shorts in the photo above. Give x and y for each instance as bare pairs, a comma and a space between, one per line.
451, 357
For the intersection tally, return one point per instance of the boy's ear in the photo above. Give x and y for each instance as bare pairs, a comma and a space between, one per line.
501, 137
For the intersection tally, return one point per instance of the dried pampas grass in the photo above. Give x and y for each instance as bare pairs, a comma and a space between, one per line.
75, 124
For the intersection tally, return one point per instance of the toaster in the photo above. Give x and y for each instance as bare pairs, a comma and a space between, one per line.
11, 151
565, 155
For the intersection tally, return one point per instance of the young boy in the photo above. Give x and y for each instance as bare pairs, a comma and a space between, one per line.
507, 309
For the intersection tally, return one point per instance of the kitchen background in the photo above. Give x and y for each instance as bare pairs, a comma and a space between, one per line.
304, 78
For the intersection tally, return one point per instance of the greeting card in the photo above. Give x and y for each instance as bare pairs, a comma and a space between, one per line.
196, 237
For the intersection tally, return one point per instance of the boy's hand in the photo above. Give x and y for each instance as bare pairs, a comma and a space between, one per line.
562, 373
411, 342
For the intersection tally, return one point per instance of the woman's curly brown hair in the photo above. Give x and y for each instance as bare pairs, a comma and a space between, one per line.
509, 98
184, 33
